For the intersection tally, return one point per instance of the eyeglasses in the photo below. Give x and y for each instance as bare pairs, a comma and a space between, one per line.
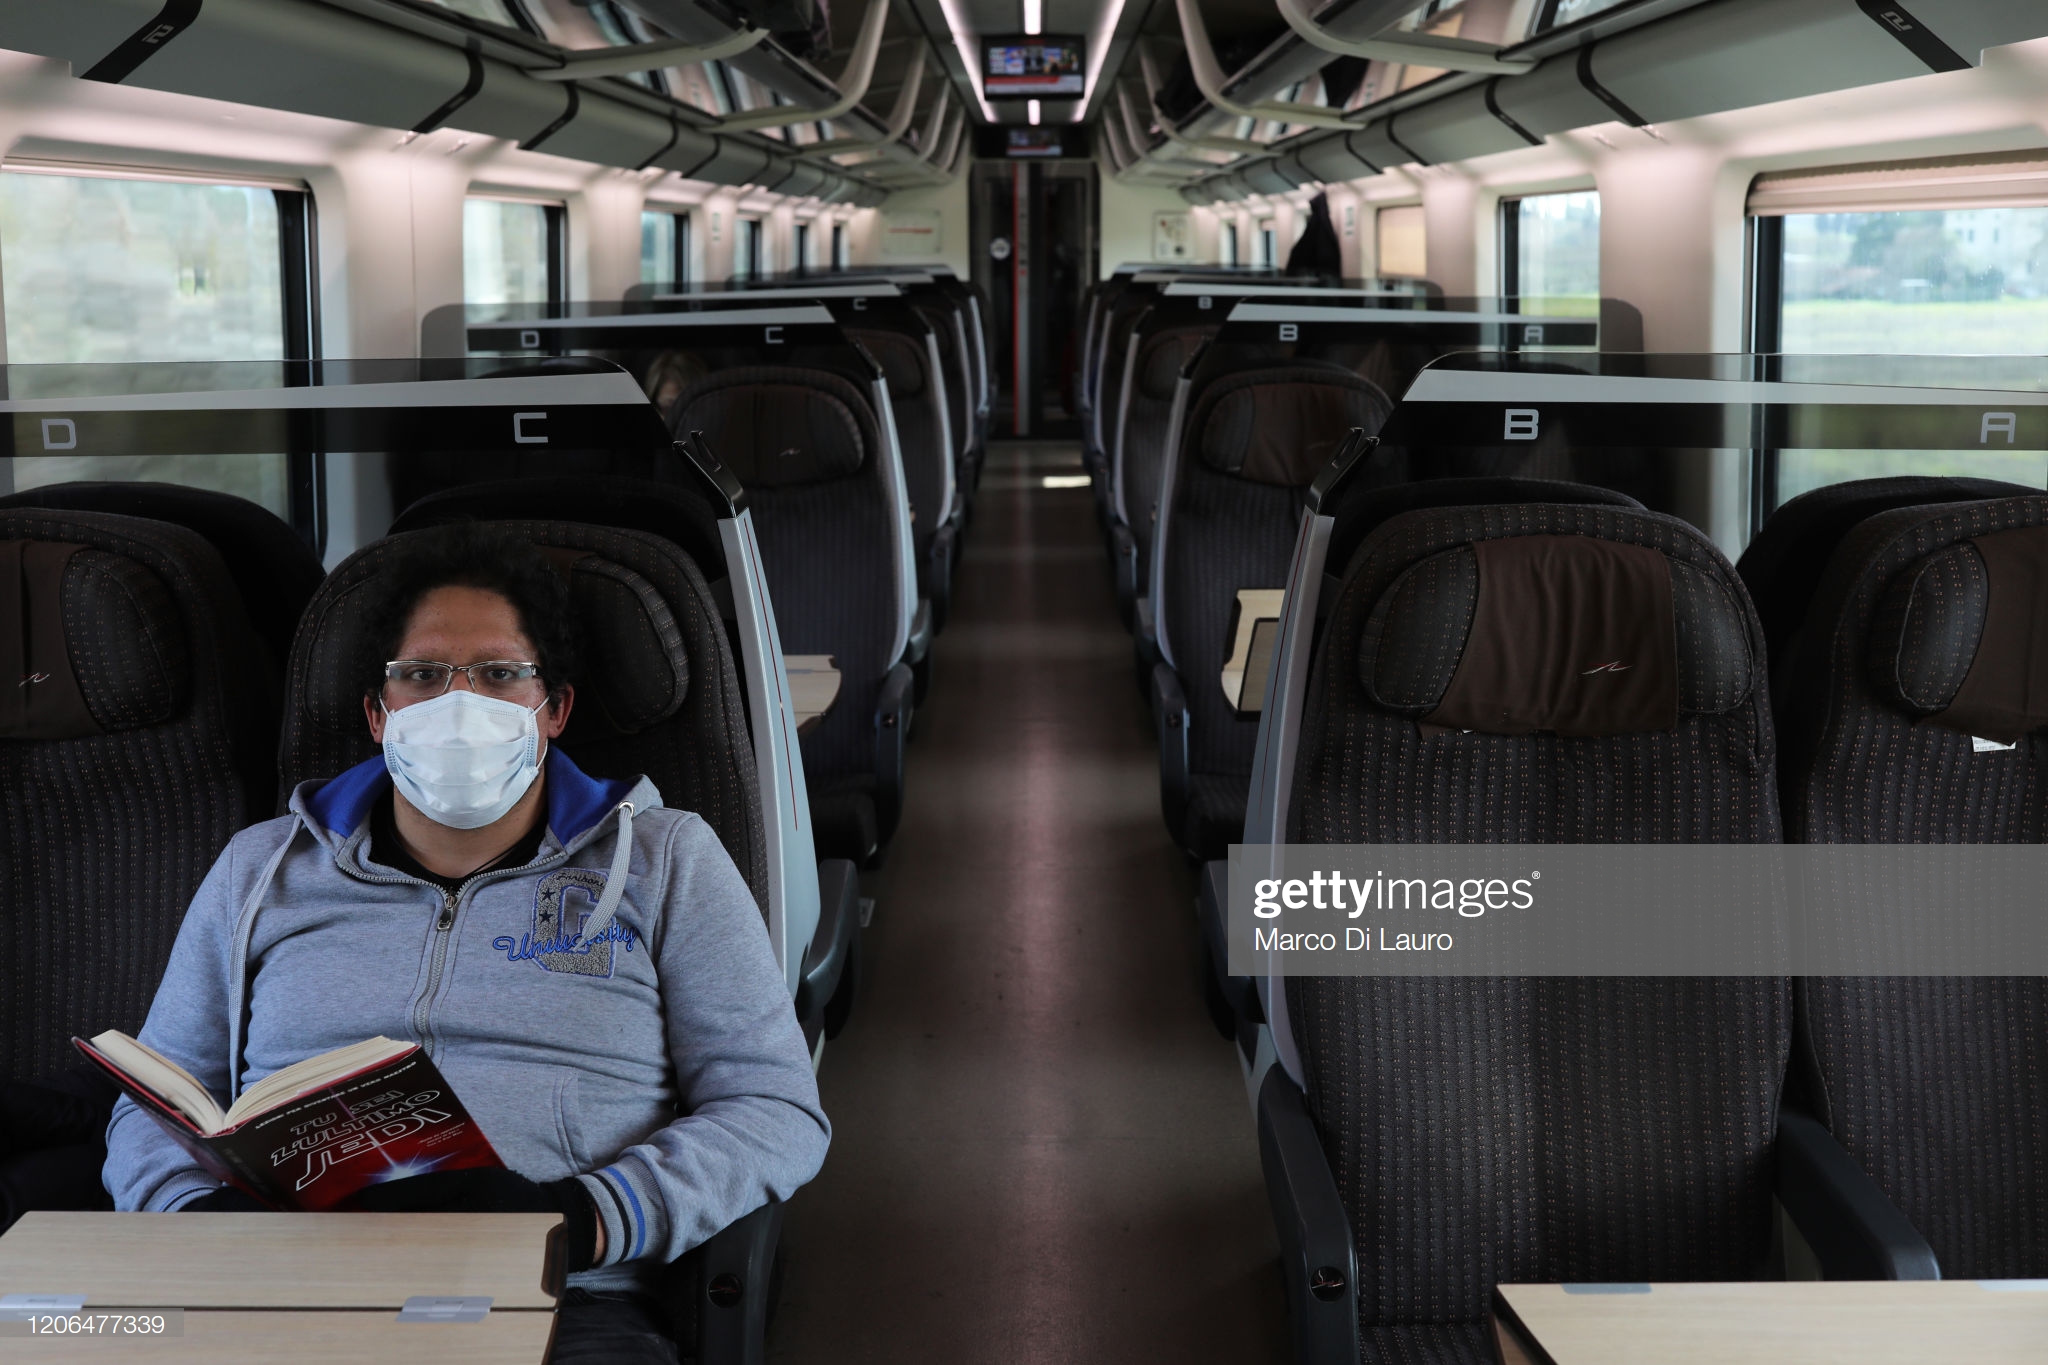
410, 680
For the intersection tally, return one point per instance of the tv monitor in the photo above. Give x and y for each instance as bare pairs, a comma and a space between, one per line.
1034, 142
1033, 68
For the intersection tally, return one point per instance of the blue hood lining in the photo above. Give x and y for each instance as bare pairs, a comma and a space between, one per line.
576, 800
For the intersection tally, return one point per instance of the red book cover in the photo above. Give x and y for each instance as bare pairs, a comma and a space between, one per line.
390, 1120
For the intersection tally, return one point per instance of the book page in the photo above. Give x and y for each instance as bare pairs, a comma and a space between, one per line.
164, 1077
300, 1077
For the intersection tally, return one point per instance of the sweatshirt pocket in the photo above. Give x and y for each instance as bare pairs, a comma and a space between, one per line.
569, 1123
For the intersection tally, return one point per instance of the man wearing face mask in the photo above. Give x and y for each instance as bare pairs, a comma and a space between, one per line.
588, 969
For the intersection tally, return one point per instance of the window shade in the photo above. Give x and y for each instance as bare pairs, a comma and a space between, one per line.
1996, 180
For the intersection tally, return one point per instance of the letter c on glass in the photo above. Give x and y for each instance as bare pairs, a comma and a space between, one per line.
519, 436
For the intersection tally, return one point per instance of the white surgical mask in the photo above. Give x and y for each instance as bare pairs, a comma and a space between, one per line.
461, 759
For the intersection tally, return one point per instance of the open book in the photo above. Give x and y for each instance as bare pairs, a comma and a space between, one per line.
314, 1133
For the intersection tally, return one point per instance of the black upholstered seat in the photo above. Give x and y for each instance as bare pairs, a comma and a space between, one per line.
1913, 624
273, 570
1482, 1130
660, 696
135, 739
1251, 445
956, 371
1137, 452
918, 398
805, 445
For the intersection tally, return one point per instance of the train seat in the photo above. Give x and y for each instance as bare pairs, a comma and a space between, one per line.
1251, 446
1919, 657
1481, 1130
807, 448
956, 371
136, 739
918, 397
273, 569
1137, 456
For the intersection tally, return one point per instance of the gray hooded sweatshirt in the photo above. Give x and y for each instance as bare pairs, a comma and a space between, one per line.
612, 1010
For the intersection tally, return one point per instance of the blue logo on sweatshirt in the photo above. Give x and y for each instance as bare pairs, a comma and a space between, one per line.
556, 942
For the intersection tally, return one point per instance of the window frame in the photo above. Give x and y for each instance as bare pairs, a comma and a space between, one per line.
555, 242
298, 247
298, 244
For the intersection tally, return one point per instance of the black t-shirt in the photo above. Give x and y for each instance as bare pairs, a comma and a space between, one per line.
387, 851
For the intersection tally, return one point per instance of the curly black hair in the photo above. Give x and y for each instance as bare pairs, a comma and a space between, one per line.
469, 554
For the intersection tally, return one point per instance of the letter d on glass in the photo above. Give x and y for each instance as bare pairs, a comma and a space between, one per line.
60, 433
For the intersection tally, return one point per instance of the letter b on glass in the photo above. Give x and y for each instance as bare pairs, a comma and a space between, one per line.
1520, 425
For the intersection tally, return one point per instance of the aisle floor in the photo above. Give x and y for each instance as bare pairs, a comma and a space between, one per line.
1042, 1150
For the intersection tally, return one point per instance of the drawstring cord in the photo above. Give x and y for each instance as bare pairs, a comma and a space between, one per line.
615, 880
238, 971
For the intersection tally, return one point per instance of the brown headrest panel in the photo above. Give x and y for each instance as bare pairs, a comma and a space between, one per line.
1568, 634
90, 643
1282, 426
779, 426
903, 360
1961, 637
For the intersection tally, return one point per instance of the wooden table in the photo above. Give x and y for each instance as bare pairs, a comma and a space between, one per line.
261, 1287
813, 687
1799, 1322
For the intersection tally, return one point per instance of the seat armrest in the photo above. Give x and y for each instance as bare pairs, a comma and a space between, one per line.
937, 579
730, 1284
918, 641
892, 729
1318, 1262
1212, 902
1170, 721
1123, 554
838, 921
1856, 1232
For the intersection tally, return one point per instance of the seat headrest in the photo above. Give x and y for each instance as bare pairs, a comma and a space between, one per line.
902, 360
91, 643
636, 672
634, 664
1161, 358
1960, 637
1281, 426
1563, 633
779, 426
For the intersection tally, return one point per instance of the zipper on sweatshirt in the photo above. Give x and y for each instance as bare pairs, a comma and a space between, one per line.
443, 931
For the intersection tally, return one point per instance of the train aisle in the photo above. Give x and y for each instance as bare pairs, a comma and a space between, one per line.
1042, 1150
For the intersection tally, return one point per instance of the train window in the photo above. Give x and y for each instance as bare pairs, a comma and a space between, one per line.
1402, 248
1262, 244
1939, 258
513, 251
108, 269
504, 12
1558, 13
664, 247
801, 249
842, 256
1550, 250
1226, 244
